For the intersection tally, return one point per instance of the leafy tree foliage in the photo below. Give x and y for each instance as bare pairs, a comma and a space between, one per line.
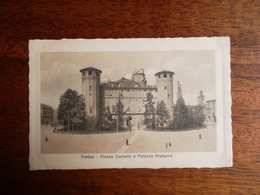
188, 117
118, 110
181, 117
149, 115
163, 114
199, 112
198, 115
107, 122
71, 110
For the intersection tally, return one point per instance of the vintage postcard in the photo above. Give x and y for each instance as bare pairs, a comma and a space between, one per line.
130, 103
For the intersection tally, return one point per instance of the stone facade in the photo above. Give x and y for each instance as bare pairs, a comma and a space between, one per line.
211, 111
164, 81
91, 90
102, 96
46, 114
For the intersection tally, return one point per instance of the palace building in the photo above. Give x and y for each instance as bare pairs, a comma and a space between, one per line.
100, 96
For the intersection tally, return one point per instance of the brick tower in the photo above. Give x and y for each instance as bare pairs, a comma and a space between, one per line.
91, 90
164, 80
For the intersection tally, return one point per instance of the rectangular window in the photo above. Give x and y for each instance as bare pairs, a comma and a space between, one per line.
165, 75
90, 88
97, 74
171, 75
90, 72
165, 87
159, 76
90, 109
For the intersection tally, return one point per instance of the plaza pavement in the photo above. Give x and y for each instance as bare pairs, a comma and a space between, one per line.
140, 141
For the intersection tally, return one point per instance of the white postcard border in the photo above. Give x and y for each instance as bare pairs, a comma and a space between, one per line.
221, 158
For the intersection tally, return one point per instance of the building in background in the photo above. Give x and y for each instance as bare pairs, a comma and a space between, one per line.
211, 111
46, 114
55, 116
99, 97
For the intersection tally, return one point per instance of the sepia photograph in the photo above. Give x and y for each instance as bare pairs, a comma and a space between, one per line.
120, 99
128, 102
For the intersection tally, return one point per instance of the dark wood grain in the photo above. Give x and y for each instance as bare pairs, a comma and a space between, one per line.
21, 21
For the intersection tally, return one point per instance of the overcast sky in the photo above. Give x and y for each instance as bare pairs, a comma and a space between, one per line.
195, 70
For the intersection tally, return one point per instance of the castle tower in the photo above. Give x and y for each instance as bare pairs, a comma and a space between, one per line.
139, 76
91, 90
164, 80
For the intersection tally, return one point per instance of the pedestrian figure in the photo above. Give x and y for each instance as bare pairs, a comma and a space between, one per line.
46, 139
166, 145
126, 141
170, 144
54, 130
199, 136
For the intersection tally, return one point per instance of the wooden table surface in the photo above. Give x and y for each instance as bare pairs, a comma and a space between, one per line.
21, 21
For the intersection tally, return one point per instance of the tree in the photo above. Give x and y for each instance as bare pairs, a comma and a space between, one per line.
149, 114
107, 122
108, 114
118, 110
71, 110
181, 117
199, 116
162, 113
199, 112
